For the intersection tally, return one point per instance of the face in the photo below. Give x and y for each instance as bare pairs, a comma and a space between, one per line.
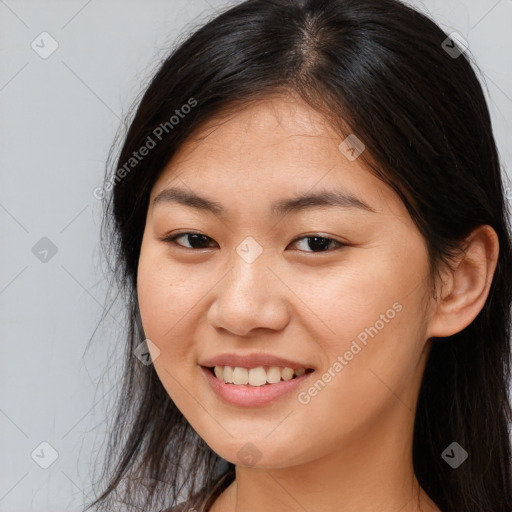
337, 288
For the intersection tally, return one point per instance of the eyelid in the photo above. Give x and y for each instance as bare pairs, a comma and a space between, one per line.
318, 235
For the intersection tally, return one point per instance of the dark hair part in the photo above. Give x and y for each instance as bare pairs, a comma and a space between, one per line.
377, 69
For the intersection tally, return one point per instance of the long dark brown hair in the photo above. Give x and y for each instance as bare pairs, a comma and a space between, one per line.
388, 74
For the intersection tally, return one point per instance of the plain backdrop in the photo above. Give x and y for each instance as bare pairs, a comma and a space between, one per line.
58, 116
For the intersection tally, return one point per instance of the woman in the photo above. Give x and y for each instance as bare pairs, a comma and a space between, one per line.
308, 218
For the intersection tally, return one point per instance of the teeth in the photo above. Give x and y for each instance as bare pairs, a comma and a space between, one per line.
255, 376
227, 374
219, 373
273, 374
287, 373
240, 375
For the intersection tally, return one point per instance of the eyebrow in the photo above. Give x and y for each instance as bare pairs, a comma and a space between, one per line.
279, 208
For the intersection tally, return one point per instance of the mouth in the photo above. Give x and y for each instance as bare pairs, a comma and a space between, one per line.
250, 387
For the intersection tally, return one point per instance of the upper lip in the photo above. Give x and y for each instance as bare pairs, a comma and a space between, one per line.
252, 361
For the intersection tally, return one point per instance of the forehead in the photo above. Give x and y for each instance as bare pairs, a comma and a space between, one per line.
277, 126
277, 147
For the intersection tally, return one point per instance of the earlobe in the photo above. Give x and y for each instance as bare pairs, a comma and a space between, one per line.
466, 285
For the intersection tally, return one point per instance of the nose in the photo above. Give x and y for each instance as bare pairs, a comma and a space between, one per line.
251, 296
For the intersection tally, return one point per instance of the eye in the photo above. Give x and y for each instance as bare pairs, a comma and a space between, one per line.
316, 241
196, 240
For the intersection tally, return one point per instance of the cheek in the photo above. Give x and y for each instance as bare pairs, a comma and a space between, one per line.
163, 293
374, 312
376, 353
372, 369
163, 301
168, 297
151, 293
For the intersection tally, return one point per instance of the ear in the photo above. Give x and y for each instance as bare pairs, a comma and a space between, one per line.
466, 285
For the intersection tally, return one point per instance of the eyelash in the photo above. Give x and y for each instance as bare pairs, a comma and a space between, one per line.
172, 239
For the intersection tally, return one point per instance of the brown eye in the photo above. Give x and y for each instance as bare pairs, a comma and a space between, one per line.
195, 240
317, 243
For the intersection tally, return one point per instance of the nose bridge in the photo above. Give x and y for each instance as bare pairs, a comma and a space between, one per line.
249, 296
249, 275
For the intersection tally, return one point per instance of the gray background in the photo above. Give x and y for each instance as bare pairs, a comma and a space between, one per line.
58, 117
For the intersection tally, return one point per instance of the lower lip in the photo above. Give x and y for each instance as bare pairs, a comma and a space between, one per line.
252, 396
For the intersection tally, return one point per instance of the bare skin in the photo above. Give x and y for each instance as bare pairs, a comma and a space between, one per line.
349, 446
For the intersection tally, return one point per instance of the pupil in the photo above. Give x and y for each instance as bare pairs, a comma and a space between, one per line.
197, 237
323, 245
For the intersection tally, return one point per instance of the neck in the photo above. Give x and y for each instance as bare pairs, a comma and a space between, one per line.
370, 472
